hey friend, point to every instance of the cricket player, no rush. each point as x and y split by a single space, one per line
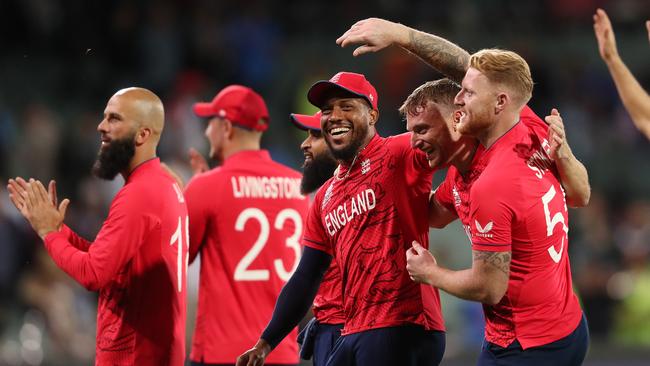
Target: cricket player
318 337
137 261
365 217
246 221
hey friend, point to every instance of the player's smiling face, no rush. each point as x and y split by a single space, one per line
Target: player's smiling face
476 101
432 132
346 123
314 146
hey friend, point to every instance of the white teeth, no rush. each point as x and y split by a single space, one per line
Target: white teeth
339 130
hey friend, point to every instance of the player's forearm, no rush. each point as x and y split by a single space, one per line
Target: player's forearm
634 97
74 238
439 53
464 284
72 261
575 180
439 216
485 282
296 296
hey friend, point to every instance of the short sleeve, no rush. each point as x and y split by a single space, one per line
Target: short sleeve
314 235
491 218
444 192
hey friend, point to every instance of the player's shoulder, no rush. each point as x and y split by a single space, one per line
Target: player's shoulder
401 141
207 178
533 122
281 169
499 175
144 193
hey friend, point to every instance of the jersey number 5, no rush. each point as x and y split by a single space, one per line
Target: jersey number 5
242 273
558 218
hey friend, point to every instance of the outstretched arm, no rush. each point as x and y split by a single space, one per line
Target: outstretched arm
634 97
374 34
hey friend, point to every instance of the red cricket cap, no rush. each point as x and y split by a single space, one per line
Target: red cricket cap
306 122
240 105
348 81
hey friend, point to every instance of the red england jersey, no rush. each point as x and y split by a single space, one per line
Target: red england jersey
366 217
328 303
512 200
138 264
246 220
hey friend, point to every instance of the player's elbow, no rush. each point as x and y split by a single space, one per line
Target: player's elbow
580 199
437 224
493 296
643 124
93 282
493 291
91 285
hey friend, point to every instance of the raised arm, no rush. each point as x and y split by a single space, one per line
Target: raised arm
635 99
573 174
374 34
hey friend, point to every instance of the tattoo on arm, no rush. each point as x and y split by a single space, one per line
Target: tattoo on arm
442 55
498 260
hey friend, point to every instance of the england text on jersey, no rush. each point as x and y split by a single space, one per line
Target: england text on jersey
357 205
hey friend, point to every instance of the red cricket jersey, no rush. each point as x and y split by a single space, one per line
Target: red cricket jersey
512 200
138 264
367 220
328 303
246 219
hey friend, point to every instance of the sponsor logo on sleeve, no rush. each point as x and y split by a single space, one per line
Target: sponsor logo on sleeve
484 231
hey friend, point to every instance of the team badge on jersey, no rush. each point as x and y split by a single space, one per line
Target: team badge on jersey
328 195
365 166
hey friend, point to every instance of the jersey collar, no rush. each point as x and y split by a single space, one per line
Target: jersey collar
143 169
245 155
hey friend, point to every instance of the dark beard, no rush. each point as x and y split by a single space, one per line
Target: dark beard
317 172
115 158
348 153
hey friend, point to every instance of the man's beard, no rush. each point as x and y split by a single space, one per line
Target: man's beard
349 152
480 122
114 158
317 172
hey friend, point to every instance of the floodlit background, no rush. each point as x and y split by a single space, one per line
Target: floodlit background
60 61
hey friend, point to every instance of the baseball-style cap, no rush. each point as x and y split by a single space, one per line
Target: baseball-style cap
348 81
240 105
306 122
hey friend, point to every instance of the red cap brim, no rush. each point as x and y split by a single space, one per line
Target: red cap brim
305 122
322 90
204 110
